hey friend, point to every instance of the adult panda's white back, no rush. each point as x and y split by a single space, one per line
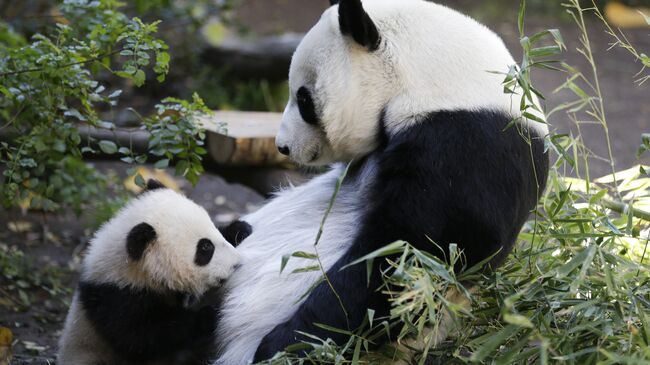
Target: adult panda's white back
258 296
447 61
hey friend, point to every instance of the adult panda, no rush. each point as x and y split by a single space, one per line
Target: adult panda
403 90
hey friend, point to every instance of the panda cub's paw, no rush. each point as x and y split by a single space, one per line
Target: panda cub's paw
236 232
205 324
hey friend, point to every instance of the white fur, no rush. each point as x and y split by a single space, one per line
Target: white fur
80 344
431 58
167 264
259 296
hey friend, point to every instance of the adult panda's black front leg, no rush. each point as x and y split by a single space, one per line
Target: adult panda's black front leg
323 307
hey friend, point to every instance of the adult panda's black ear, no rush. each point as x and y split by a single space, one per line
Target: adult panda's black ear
355 22
138 239
334 2
153 184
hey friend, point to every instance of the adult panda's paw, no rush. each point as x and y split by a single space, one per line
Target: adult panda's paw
264 351
236 232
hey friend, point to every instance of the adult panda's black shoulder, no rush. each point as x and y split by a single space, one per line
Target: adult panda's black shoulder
407 91
141 280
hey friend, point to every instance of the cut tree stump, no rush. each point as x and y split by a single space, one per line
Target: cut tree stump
237 138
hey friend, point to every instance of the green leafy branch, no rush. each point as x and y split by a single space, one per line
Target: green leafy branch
139 41
50 89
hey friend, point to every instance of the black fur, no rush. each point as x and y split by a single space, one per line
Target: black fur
334 2
153 184
236 232
306 106
456 177
382 135
138 239
355 22
204 252
143 326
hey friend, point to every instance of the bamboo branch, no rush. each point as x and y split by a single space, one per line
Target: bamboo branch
623 208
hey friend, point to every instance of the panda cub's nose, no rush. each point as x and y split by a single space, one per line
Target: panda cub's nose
284 150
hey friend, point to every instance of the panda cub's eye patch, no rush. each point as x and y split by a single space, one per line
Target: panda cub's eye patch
204 252
306 106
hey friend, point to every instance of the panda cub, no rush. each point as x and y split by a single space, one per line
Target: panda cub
141 282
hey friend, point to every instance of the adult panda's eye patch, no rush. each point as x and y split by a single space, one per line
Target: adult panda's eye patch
204 252
306 106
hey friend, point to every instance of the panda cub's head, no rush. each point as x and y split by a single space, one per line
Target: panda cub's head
369 69
160 241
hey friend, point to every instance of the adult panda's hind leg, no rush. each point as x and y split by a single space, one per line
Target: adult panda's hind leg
432 336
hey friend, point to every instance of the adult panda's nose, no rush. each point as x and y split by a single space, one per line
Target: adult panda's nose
284 150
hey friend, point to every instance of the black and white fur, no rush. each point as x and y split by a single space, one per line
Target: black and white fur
403 89
144 271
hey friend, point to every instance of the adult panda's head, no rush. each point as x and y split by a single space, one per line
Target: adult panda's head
160 241
369 69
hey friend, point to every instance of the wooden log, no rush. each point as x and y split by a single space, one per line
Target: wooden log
233 138
135 138
243 138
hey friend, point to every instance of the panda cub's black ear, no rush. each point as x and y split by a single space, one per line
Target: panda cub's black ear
236 232
138 239
356 23
153 184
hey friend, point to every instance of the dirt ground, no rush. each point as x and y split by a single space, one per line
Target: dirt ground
52 243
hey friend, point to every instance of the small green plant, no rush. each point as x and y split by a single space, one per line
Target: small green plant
176 135
19 276
235 94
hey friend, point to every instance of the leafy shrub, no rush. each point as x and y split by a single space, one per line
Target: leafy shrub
50 88
176 135
20 274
